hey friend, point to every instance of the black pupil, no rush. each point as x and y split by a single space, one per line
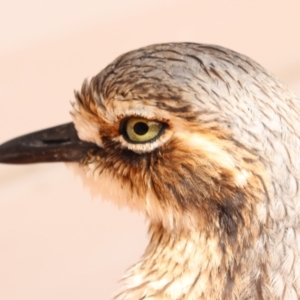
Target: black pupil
140 128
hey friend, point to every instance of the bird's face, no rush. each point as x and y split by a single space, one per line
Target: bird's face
149 144
160 152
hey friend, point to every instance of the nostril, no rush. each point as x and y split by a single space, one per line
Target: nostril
55 141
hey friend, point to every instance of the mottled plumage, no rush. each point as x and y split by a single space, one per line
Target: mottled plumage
220 181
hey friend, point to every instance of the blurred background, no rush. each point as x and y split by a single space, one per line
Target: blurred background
56 242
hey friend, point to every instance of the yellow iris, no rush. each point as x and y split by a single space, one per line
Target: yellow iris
140 130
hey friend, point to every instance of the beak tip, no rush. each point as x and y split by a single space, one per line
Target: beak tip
13 153
6 154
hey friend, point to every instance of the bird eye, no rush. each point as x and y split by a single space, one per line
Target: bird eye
140 130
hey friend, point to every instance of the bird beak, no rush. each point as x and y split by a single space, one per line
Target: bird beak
60 143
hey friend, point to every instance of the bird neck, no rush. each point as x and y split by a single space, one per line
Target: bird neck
180 265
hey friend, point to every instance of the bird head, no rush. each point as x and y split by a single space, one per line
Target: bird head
156 130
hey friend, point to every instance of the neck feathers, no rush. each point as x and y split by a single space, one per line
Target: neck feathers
190 265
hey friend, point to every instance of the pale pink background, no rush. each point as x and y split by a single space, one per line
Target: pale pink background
55 241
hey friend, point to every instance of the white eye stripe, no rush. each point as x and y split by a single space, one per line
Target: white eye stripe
213 150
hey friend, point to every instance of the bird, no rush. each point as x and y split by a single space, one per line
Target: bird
205 143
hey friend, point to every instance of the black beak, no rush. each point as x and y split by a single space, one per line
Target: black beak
60 143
